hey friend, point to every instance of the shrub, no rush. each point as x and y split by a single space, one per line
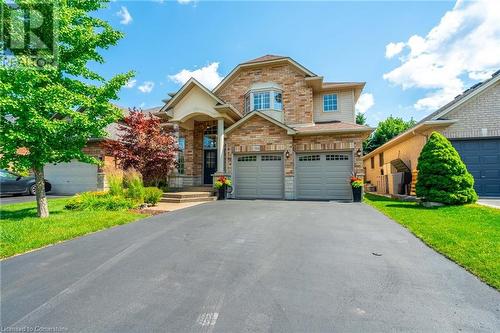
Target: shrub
152 195
442 176
115 181
132 180
98 201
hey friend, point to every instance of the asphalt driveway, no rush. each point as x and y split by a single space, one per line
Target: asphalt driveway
247 266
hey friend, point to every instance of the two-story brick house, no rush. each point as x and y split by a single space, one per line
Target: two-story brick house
274 127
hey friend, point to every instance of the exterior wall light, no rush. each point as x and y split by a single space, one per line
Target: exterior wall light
287 154
358 152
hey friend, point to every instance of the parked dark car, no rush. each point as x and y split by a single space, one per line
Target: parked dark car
10 183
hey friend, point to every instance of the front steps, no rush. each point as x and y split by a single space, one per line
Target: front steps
189 196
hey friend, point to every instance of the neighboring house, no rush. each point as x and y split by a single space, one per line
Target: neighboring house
471 122
274 127
76 177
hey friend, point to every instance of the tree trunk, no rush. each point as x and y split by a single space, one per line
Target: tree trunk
41 199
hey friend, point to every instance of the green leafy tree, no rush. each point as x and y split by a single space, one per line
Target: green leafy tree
47 115
360 118
442 176
386 130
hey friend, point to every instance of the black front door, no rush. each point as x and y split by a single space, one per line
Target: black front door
209 166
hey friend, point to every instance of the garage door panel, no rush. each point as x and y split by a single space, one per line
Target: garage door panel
324 176
482 158
70 178
259 176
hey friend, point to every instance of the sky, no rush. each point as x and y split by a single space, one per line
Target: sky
414 56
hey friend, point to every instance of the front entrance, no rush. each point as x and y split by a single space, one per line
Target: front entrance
209 165
209 154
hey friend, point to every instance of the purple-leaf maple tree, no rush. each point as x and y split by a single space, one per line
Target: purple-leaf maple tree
145 146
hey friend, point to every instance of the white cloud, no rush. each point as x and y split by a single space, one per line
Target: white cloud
185 2
146 87
208 75
125 16
131 83
365 102
393 49
465 44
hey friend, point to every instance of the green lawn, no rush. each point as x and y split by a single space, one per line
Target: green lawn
22 230
468 235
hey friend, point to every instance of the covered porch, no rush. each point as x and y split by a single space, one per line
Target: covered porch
199 119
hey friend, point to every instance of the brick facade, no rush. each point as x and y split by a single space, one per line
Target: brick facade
478 117
297 96
258 135
332 142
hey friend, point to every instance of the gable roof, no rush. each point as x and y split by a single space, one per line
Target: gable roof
463 97
435 120
264 60
192 82
266 57
252 114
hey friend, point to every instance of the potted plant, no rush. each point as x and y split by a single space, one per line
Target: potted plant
221 184
357 188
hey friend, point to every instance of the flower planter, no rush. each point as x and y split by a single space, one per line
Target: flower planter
357 194
221 193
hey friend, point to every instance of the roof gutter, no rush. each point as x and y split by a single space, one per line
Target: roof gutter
409 133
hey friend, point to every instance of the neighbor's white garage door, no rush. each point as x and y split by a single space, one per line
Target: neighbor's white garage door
324 176
73 177
259 176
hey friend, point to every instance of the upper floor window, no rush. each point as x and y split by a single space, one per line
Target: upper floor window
330 103
263 100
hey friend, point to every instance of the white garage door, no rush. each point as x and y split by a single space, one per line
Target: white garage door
70 178
324 176
258 176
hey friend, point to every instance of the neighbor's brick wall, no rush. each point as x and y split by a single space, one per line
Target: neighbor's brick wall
258 135
332 142
480 112
297 97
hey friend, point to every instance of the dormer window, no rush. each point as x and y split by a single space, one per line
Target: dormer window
261 99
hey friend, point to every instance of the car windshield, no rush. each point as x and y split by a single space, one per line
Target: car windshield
4 174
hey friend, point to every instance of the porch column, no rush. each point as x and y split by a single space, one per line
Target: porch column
220 145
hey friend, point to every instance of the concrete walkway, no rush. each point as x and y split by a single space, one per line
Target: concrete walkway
490 202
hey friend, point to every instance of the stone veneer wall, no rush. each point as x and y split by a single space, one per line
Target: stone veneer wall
297 96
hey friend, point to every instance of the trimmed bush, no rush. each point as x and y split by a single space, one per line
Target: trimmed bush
152 195
442 176
98 201
132 180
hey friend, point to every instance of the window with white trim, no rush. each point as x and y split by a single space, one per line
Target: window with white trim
180 155
261 100
330 103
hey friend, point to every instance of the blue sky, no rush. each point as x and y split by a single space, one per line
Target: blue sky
342 41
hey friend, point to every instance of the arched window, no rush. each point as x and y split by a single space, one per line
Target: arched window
210 138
